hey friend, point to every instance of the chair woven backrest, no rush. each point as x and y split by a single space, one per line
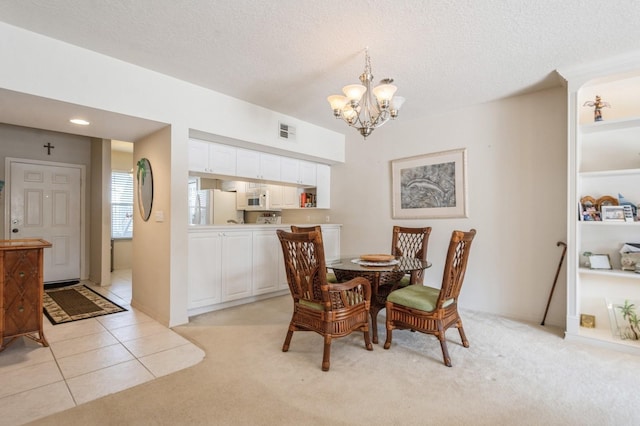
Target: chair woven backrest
305 265
410 242
455 266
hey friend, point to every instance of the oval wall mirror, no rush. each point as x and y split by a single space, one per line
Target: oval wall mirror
145 188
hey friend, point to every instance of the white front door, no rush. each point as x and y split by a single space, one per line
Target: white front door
46 203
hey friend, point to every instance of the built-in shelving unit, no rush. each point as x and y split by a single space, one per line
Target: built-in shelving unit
604 160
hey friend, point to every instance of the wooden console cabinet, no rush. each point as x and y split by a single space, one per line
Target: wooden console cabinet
21 290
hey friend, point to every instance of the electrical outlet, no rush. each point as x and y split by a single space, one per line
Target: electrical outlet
308 218
327 219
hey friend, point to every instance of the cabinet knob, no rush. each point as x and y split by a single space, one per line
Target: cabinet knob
21 308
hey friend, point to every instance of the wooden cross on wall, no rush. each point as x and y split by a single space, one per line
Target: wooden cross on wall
49 147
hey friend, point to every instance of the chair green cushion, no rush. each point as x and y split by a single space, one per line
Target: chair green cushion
331 278
312 305
417 297
405 281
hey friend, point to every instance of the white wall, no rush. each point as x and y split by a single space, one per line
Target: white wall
516 151
152 238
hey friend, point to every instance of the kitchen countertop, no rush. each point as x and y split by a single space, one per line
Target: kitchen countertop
255 226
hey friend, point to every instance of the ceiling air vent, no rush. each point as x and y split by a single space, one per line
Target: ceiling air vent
286 131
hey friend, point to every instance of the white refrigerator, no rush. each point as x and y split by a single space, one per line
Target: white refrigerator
212 207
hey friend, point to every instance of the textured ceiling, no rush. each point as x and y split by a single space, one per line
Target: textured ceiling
289 55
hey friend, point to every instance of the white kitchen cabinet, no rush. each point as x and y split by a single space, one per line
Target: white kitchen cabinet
603 161
298 172
204 276
307 173
208 157
289 170
290 197
284 196
276 199
323 186
268 265
230 265
257 165
237 247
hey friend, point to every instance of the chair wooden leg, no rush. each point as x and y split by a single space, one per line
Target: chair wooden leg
367 340
287 340
373 311
463 336
443 344
387 343
327 353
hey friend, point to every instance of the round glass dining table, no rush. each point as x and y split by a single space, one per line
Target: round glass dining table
383 276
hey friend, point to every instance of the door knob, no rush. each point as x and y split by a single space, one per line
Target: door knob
15 230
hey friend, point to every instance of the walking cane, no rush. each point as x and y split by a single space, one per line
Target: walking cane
555 280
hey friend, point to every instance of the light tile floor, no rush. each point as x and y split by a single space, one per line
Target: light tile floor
89 359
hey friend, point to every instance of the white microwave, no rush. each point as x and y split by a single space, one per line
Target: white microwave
257 200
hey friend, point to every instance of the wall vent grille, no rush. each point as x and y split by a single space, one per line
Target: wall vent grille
286 131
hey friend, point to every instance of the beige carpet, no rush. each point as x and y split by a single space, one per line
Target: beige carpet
513 374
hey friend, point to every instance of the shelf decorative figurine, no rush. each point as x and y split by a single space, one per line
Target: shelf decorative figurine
597 105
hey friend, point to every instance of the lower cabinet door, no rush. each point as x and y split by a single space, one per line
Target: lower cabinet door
268 265
236 264
204 269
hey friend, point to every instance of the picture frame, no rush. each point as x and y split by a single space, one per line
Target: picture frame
587 321
599 261
612 213
430 186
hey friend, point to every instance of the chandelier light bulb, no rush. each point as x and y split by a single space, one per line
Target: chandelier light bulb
396 104
384 92
354 92
337 102
349 114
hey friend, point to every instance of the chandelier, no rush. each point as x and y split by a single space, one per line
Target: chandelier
364 108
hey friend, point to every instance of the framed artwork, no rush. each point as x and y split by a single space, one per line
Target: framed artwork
430 186
599 261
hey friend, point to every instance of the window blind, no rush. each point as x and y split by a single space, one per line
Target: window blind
121 204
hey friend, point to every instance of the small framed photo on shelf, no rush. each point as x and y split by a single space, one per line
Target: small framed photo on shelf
599 261
612 214
587 321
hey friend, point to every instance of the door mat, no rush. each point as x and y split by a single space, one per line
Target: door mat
75 303
58 284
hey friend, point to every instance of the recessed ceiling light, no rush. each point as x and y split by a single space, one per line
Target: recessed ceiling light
79 121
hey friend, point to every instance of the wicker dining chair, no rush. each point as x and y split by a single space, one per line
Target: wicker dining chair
430 310
331 277
331 310
407 242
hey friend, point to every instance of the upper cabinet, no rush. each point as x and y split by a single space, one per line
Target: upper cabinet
323 186
207 157
257 165
299 172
